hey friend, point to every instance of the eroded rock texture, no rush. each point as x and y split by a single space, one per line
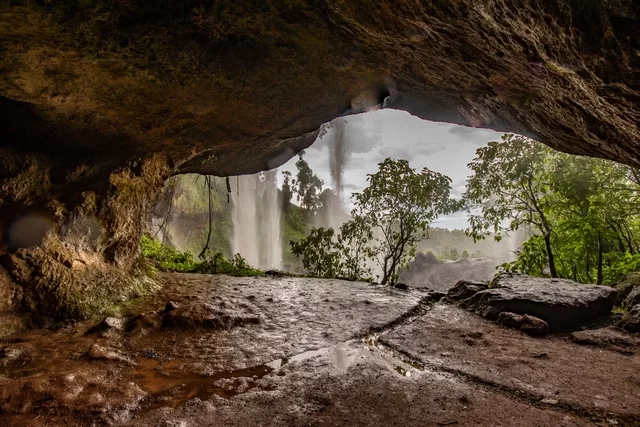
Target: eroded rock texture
92 91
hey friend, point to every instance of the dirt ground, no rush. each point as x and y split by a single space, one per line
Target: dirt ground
288 351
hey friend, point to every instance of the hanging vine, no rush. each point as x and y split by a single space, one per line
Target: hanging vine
207 180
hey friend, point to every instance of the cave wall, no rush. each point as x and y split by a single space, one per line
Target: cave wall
101 100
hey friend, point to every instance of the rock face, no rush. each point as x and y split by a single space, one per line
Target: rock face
100 101
563 304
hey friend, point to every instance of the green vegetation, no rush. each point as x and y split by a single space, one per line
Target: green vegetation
211 263
581 213
389 218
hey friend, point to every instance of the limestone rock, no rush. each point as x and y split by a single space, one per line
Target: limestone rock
563 304
464 289
530 325
631 321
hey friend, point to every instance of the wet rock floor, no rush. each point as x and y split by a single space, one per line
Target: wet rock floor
289 351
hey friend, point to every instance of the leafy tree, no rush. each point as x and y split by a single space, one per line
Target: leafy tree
399 205
465 255
308 184
583 212
353 241
390 216
287 190
510 187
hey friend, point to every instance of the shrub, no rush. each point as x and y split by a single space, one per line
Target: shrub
183 262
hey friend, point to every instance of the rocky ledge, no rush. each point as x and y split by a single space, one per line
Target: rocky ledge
562 304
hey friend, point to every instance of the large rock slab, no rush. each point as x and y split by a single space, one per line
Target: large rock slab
553 369
563 304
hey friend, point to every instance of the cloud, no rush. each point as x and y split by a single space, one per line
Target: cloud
395 153
427 150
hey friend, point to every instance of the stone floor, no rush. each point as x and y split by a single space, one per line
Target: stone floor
288 351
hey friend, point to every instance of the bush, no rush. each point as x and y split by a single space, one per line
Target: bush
183 262
219 264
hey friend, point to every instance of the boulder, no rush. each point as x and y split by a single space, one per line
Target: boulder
631 321
465 289
530 325
628 289
563 304
611 338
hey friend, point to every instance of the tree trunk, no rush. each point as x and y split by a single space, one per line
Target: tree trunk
599 279
552 262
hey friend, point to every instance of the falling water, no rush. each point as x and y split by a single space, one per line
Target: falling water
333 213
338 156
256 219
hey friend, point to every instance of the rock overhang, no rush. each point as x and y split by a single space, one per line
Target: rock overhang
236 87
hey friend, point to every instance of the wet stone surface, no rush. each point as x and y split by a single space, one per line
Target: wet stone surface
588 380
284 351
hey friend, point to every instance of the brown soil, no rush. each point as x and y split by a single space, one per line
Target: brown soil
317 352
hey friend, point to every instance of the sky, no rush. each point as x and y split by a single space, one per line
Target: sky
374 136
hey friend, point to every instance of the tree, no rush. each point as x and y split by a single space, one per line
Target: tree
390 216
583 212
465 255
287 190
510 187
308 184
398 205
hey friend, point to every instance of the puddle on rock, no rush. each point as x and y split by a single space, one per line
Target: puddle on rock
169 386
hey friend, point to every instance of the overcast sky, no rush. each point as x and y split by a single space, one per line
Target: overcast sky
372 137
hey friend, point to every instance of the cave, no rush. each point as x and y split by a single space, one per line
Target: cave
102 101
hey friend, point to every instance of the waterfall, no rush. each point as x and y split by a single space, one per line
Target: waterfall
256 219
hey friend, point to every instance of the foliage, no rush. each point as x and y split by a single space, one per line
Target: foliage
353 242
319 253
390 216
211 263
308 185
532 259
399 204
581 213
216 263
509 186
287 190
169 258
